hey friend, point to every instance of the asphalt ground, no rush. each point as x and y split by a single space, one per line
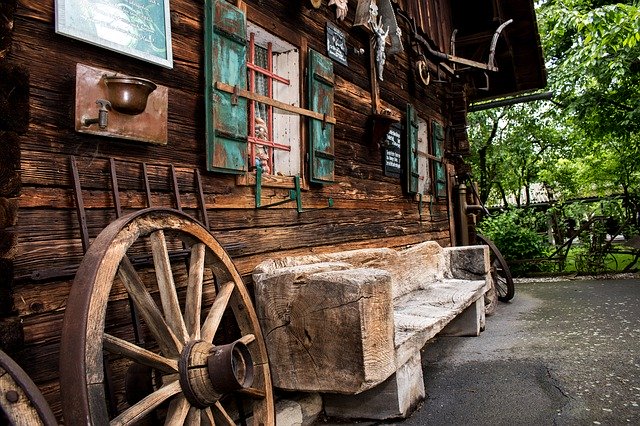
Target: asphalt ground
560 353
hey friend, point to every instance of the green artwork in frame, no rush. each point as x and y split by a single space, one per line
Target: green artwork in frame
138 28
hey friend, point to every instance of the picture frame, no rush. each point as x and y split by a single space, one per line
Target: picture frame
137 28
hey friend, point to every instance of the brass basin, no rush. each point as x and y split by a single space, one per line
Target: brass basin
128 95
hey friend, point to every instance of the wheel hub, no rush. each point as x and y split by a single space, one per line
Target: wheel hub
207 372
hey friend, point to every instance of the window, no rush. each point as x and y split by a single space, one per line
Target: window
424 162
424 179
253 100
274 135
439 169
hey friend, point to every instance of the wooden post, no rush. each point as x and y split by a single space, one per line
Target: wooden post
375 89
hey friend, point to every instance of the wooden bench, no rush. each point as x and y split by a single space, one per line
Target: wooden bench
351 324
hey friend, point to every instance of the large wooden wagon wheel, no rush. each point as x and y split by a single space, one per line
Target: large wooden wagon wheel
199 357
21 403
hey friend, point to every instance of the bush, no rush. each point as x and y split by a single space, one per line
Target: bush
514 233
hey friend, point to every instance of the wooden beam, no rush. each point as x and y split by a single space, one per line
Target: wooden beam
272 102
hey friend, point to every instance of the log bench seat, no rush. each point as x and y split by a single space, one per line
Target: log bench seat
351 324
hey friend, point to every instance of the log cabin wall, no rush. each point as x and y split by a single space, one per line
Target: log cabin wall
370 209
14 119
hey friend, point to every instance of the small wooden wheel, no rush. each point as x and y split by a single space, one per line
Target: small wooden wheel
423 72
500 272
199 356
21 402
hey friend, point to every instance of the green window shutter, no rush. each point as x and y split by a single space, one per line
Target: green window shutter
439 168
411 152
320 87
226 62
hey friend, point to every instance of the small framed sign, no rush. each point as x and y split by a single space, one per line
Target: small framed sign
392 157
336 44
138 28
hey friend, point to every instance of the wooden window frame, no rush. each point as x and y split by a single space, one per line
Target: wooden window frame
299 41
254 70
434 160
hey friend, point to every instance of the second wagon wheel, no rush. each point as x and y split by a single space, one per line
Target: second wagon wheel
197 355
21 403
499 271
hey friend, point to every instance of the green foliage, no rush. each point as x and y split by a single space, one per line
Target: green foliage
587 142
594 61
515 233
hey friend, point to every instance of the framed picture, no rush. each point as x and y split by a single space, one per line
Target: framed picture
138 28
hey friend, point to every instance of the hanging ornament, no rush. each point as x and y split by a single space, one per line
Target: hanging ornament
380 41
341 8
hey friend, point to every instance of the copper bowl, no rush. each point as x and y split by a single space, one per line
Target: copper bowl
129 95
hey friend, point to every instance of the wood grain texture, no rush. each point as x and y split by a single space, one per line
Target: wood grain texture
370 209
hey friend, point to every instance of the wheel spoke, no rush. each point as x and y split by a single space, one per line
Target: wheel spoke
194 417
218 307
138 411
253 393
207 417
138 354
147 308
168 294
248 338
178 410
221 416
193 304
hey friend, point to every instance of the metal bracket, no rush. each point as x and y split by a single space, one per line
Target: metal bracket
294 195
486 87
234 95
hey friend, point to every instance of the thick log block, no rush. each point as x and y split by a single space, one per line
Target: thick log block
14 98
327 329
8 244
7 10
9 162
8 212
6 283
11 337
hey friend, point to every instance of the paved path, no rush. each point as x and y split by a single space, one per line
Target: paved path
565 353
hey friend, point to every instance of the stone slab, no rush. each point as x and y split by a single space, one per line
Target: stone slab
469 323
395 398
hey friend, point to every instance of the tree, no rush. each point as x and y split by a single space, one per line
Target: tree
589 142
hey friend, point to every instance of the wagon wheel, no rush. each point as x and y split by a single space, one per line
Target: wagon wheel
21 402
499 271
203 350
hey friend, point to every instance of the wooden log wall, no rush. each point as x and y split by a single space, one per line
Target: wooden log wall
14 119
370 209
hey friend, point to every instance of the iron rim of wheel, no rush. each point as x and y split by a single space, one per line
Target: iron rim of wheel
176 324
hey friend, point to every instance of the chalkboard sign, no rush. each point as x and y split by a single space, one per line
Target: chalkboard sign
141 29
392 158
336 44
